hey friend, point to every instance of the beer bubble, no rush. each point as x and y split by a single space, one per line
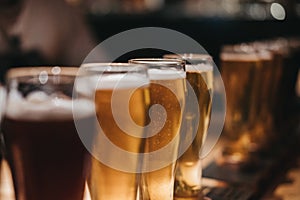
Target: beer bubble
43 77
40 106
56 70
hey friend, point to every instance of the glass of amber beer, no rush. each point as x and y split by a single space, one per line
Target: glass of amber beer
199 74
263 131
121 103
167 99
240 70
46 156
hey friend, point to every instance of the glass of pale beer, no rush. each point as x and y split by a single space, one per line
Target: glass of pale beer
167 99
46 156
199 74
121 104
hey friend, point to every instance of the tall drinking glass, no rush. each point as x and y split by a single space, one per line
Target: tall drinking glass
263 131
279 88
47 158
2 106
167 99
121 100
238 71
199 74
285 77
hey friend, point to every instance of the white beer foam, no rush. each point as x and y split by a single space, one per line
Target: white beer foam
39 106
158 74
121 81
242 57
265 55
87 86
199 67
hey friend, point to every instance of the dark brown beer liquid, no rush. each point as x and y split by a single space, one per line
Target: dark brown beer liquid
47 159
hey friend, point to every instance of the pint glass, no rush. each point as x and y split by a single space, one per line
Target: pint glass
238 71
264 79
279 95
121 104
285 80
46 156
199 74
2 106
167 98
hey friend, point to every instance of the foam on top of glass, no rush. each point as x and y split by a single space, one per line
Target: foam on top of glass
120 81
241 57
166 74
265 55
199 67
38 106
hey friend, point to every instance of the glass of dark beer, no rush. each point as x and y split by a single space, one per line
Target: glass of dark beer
46 156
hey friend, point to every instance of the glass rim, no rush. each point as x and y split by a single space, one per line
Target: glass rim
190 56
112 67
164 62
55 70
240 55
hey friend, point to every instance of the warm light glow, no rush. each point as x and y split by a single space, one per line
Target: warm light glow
277 11
258 12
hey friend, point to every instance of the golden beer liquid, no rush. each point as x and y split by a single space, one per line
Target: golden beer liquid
158 184
264 77
239 76
188 175
106 182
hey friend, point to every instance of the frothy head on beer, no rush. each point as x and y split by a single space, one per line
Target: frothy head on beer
114 76
239 57
43 93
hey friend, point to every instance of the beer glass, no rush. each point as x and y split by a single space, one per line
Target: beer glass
238 69
199 74
167 99
2 105
264 80
277 94
46 156
286 75
121 103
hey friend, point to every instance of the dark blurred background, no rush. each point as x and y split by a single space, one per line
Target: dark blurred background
62 32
